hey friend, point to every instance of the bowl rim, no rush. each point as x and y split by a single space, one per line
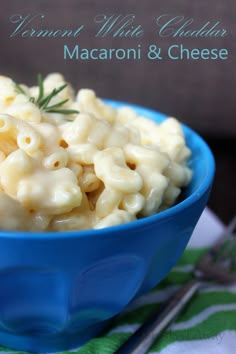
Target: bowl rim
135 224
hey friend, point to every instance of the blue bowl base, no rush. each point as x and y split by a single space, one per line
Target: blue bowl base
50 343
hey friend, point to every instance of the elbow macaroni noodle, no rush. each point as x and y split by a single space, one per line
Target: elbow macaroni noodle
104 167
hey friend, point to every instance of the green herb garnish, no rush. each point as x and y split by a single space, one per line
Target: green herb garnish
43 102
20 89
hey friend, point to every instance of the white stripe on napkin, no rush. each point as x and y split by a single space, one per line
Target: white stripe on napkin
153 297
225 288
223 343
202 316
124 329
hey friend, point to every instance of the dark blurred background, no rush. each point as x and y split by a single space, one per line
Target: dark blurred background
199 93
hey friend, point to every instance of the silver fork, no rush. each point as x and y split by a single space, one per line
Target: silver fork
218 265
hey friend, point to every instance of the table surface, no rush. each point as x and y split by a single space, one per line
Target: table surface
223 196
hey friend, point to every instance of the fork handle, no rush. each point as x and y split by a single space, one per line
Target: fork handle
143 338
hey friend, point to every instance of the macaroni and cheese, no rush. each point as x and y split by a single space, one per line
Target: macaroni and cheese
91 169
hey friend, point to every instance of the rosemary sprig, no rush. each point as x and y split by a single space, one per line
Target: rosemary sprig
43 102
20 89
57 105
41 88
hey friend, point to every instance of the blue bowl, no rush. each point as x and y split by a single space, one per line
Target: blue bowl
57 290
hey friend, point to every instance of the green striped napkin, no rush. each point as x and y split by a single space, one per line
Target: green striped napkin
206 326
